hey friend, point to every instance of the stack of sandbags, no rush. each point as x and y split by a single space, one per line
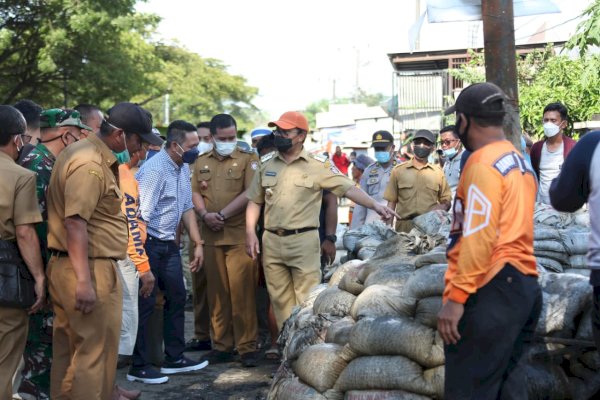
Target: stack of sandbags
561 240
371 332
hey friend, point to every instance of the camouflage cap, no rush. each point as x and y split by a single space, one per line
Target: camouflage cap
55 117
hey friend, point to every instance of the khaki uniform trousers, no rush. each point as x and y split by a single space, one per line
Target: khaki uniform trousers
14 324
84 346
292 267
231 277
200 300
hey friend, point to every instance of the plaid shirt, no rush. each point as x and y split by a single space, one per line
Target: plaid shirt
165 194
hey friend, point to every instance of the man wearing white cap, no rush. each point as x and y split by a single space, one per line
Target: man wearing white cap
257 134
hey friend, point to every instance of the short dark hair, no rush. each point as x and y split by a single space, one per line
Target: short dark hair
560 107
448 128
31 111
177 130
221 121
203 124
86 111
12 123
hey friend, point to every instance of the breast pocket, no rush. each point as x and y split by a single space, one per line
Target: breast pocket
234 181
203 176
306 183
112 200
405 191
373 185
268 184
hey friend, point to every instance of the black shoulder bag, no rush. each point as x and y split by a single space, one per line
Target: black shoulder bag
17 286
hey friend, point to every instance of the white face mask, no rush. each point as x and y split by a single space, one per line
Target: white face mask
550 129
225 148
205 147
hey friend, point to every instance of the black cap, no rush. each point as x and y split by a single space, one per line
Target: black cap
484 100
382 139
425 134
133 119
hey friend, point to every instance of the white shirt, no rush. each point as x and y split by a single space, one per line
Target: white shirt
550 165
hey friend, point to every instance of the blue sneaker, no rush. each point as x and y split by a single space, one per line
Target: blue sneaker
182 365
146 375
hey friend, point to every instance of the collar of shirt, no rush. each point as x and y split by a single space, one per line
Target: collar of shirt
303 154
107 154
6 157
411 164
219 157
45 152
166 159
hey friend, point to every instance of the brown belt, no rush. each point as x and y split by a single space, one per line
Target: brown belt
288 232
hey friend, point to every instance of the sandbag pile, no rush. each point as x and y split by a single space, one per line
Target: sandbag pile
561 240
371 332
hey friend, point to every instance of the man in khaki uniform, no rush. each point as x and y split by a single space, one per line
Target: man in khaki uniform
19 213
87 234
417 186
289 184
220 180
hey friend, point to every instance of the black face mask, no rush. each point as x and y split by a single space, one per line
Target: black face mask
464 138
282 144
422 152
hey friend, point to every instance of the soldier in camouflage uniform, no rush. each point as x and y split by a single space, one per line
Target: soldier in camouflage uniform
59 128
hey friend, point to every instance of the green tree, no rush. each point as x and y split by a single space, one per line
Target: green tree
198 88
545 78
588 31
69 51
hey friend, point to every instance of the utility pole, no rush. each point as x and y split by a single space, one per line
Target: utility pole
500 59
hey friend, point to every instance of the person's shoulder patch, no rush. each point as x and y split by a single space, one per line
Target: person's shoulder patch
254 165
318 157
510 161
267 157
246 151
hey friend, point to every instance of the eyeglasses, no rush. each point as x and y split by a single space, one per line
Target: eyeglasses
26 138
448 142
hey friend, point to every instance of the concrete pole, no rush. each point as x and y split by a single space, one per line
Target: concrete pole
500 59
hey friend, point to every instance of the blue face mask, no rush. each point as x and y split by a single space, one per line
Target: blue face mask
150 154
122 157
382 156
189 156
449 153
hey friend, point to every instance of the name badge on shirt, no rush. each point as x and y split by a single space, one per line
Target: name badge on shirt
270 173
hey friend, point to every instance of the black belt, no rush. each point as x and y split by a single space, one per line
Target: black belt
58 253
288 232
150 237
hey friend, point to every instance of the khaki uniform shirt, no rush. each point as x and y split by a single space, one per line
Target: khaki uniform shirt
292 193
220 182
416 189
18 199
84 182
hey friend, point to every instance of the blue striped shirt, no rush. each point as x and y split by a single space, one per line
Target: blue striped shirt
165 194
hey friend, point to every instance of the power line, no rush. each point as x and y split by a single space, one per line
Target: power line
547 29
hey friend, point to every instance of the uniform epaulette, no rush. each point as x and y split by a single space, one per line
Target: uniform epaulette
267 157
243 150
318 157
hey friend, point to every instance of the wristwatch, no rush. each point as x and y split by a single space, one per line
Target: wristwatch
331 238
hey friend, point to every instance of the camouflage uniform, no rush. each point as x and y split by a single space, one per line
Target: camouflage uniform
38 352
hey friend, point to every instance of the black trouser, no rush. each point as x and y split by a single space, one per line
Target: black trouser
498 323
596 317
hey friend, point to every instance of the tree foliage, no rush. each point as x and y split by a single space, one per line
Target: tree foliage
545 78
64 52
588 31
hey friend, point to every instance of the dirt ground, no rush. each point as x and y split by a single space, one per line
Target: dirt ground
215 382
